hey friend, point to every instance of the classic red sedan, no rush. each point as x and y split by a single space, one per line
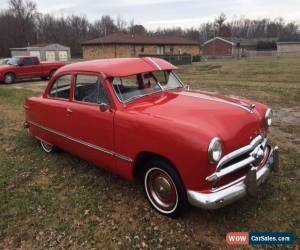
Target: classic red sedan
135 118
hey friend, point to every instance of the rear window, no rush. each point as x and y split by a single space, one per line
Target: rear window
27 61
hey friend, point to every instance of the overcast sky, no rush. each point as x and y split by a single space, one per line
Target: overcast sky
170 13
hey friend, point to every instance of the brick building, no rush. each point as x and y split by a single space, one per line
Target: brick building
128 45
231 46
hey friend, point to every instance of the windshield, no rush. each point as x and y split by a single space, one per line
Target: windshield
3 61
13 61
131 87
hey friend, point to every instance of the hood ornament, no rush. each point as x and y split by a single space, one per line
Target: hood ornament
252 106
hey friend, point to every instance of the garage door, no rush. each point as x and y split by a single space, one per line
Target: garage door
63 55
50 55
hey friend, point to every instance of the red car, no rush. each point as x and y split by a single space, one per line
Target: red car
135 118
26 67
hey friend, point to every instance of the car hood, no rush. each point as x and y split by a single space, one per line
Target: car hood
4 67
231 119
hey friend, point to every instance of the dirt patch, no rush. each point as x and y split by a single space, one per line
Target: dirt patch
288 115
43 180
208 67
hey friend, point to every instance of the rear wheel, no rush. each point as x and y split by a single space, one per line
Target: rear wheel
164 188
48 148
9 78
51 74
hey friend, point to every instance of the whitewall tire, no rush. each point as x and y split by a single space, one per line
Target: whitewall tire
164 188
47 147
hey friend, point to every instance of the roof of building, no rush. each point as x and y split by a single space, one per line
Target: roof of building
119 38
242 41
38 45
120 66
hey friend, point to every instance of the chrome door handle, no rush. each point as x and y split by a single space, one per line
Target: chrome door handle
69 110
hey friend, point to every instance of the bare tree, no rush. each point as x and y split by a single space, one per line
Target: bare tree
21 24
220 21
25 13
121 24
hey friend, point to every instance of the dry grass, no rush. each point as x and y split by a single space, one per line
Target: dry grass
59 201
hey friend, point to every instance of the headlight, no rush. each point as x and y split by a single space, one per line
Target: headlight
268 117
215 150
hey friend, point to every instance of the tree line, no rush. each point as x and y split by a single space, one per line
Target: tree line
21 24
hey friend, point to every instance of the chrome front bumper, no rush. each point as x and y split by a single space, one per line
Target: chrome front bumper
235 190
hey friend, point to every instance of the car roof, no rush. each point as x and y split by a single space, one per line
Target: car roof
119 66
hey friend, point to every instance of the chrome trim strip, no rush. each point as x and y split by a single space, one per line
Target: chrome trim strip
107 151
152 61
239 151
122 157
240 106
222 101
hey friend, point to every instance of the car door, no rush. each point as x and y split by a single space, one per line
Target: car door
36 67
90 127
53 111
26 68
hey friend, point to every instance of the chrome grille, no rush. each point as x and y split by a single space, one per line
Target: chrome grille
240 158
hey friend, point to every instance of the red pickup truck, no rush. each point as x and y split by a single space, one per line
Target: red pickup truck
26 67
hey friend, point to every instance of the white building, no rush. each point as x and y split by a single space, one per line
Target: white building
45 52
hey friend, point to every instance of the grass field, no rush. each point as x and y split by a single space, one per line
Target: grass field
59 201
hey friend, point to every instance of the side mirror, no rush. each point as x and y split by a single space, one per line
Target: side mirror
21 64
103 107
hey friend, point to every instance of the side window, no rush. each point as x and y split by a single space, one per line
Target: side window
90 89
27 61
61 87
35 61
160 76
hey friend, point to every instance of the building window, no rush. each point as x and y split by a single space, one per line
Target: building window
142 49
171 49
160 50
132 50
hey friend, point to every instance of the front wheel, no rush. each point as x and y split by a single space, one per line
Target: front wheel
164 188
9 78
51 74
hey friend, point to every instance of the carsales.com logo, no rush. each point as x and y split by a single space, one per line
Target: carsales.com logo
256 238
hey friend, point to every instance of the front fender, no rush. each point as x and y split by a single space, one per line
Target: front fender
185 146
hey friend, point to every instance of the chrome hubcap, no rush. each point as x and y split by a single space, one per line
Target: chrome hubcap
161 189
8 79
